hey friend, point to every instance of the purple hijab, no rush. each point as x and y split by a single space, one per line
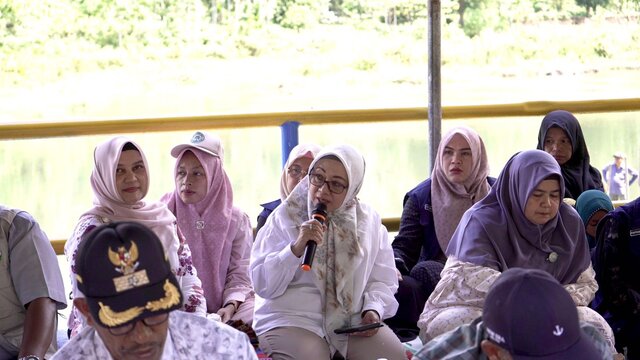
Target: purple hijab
495 232
578 173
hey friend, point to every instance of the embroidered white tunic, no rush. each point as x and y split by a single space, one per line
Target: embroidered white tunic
189 337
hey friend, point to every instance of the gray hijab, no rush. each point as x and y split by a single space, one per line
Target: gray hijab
495 232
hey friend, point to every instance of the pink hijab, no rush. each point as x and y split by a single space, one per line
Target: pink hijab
109 204
208 226
299 151
450 200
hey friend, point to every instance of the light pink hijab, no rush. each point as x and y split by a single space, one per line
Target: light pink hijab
450 200
299 151
208 226
109 204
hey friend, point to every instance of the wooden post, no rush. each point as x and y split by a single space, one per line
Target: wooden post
435 88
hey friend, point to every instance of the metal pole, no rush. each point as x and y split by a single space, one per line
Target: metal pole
626 179
289 131
435 88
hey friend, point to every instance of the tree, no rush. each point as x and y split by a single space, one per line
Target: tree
592 5
297 14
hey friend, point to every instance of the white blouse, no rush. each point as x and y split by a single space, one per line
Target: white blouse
288 296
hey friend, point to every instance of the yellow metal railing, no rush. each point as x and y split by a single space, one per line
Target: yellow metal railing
118 126
392 224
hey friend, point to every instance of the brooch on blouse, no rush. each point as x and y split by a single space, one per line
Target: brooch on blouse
199 224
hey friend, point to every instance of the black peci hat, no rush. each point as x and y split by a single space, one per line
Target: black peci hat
123 272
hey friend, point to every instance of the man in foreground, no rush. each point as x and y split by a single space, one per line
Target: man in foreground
130 298
527 314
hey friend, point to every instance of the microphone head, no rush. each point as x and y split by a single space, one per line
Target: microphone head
320 213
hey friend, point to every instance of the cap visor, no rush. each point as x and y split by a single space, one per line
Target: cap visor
583 349
132 305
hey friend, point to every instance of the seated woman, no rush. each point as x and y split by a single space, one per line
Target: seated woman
592 206
352 279
218 233
431 213
561 136
522 222
120 182
615 260
294 170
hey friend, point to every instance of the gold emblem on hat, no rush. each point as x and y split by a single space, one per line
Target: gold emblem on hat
171 298
125 260
115 318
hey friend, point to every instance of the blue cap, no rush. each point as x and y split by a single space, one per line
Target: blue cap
528 313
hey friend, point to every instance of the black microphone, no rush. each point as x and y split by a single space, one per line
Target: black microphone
319 214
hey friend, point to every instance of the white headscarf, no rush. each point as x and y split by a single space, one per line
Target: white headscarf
340 252
299 151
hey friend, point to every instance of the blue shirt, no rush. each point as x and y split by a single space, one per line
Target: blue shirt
616 177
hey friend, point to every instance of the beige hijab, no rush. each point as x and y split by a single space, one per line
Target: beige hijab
450 200
109 204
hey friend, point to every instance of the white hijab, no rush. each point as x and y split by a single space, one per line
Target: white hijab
340 252
299 151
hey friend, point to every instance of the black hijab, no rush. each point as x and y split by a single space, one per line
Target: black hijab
578 174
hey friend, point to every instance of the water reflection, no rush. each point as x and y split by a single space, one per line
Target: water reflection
50 177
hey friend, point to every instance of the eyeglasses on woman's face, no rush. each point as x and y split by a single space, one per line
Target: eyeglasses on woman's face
148 321
296 172
319 180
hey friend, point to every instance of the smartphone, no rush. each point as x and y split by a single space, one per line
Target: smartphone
349 330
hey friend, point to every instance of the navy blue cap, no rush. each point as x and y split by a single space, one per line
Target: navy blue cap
530 314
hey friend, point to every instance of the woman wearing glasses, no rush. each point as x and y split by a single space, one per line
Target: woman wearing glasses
352 278
218 233
294 170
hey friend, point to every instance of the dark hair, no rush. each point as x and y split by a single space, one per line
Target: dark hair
553 177
130 146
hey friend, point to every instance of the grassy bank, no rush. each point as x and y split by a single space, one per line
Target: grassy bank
326 67
329 66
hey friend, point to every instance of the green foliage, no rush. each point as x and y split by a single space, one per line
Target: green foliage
8 18
365 65
600 50
299 14
479 15
58 37
592 5
409 11
298 17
